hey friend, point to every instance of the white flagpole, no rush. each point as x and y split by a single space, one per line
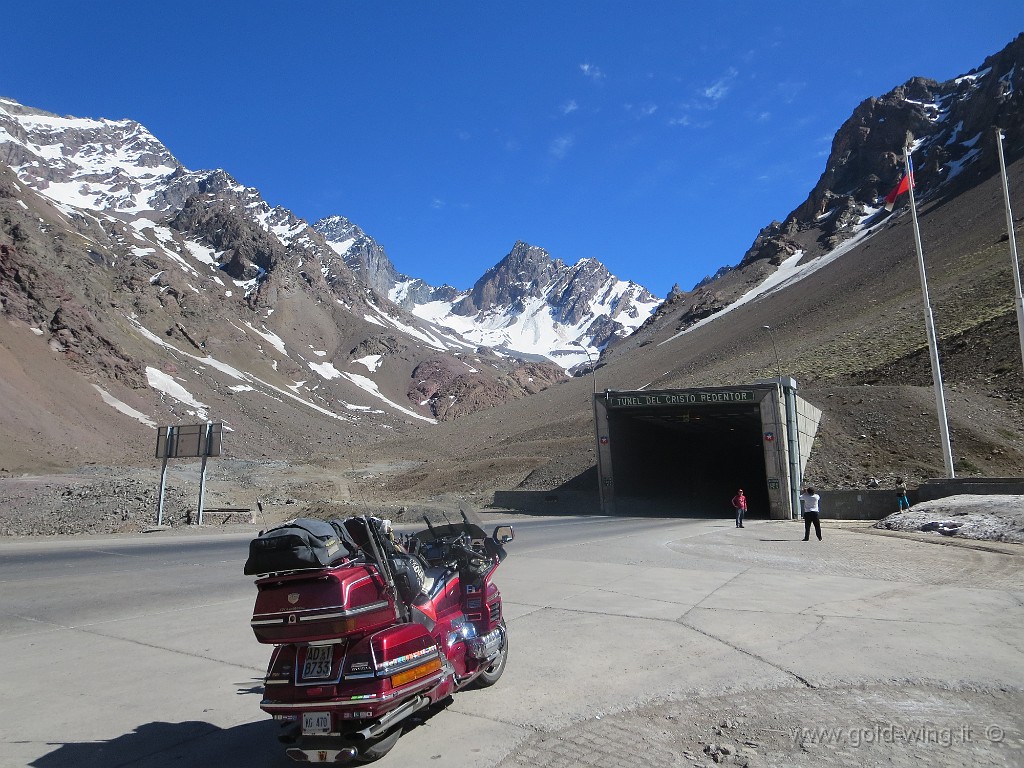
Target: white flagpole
933 346
1018 299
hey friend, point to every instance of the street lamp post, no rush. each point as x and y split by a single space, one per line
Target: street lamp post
778 364
593 370
791 437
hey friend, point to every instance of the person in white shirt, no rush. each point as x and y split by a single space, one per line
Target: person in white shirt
810 500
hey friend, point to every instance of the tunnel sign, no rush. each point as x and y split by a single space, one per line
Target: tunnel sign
691 397
769 436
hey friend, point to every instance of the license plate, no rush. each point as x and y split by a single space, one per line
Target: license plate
316 722
318 662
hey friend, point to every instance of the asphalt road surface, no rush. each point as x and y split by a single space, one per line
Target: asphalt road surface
136 651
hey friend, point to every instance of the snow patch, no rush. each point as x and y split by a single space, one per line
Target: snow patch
275 341
368 385
325 370
124 408
372 362
161 381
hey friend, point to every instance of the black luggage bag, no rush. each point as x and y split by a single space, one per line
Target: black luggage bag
299 544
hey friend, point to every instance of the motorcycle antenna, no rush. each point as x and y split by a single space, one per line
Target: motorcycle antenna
382 562
427 521
259 506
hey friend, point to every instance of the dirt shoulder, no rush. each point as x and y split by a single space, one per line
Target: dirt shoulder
245 495
886 724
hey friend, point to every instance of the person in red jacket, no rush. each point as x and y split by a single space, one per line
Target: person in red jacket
739 503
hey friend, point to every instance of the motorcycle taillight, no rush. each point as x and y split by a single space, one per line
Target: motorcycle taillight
418 672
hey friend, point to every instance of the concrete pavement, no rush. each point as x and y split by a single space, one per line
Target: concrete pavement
624 650
758 613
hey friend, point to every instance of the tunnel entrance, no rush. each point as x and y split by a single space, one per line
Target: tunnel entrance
685 452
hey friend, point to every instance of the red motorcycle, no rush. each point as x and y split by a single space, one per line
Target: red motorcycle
368 629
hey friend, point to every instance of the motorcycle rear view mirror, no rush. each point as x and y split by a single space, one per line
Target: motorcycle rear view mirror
503 534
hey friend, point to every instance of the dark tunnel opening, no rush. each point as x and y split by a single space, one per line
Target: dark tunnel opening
688 462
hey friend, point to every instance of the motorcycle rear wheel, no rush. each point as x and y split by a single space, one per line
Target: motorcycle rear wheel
377 749
490 675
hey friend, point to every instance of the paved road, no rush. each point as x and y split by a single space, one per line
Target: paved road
137 652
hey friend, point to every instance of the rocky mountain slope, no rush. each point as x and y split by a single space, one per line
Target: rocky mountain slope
951 129
174 294
114 316
838 285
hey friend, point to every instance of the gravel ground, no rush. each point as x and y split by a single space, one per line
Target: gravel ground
892 725
105 500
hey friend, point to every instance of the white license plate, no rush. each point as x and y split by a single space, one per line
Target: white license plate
318 662
316 722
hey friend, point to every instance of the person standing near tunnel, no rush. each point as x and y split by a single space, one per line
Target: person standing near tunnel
811 500
739 503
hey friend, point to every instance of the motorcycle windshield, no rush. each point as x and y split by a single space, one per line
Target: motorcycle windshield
450 531
470 525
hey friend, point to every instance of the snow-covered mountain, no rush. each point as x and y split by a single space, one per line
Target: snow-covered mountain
187 287
531 304
528 306
367 259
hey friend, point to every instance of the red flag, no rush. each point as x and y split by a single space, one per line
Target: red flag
903 186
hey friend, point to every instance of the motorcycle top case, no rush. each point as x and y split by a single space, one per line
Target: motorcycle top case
313 606
299 544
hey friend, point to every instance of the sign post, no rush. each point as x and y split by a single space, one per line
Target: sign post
187 441
163 476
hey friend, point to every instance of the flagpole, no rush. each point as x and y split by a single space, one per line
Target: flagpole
1018 299
933 346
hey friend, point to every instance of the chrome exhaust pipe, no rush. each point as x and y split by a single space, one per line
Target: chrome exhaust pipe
393 717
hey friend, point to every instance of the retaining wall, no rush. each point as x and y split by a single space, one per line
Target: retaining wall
876 503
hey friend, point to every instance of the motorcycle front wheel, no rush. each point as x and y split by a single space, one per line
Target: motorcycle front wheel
490 675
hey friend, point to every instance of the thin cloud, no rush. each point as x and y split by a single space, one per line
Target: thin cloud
569 107
685 121
788 90
560 146
706 100
719 89
592 71
641 111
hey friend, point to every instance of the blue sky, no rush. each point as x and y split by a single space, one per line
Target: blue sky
658 137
